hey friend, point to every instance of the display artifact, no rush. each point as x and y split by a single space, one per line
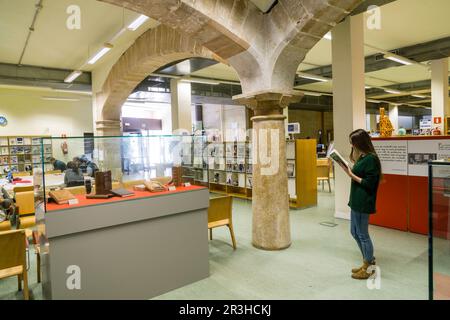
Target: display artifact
103 185
386 127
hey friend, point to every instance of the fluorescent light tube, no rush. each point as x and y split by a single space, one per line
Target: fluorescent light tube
202 81
100 54
59 99
314 94
313 77
419 96
393 91
138 22
399 59
373 101
71 77
367 87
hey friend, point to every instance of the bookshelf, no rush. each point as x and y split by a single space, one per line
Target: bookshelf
22 153
227 169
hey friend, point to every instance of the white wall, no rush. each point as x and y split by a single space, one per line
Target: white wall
29 114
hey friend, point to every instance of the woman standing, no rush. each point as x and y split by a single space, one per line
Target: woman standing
365 175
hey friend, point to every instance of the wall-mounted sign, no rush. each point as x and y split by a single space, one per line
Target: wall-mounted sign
3 121
437 120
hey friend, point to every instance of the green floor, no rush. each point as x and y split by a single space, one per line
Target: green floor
316 266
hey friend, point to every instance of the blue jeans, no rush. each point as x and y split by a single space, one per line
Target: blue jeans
360 231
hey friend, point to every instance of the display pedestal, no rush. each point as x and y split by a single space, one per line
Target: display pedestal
138 248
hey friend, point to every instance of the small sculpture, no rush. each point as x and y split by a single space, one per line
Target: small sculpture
386 127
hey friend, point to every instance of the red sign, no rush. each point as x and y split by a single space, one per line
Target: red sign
437 120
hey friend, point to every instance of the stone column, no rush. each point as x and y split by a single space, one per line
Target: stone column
393 116
181 101
270 205
439 91
107 151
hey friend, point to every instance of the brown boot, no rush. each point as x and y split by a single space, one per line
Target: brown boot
362 274
356 270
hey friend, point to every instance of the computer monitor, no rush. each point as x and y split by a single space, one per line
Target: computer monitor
294 128
320 148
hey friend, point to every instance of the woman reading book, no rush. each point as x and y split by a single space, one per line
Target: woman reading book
365 175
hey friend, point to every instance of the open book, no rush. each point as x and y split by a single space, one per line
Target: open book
337 157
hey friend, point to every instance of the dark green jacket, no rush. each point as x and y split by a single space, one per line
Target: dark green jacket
363 196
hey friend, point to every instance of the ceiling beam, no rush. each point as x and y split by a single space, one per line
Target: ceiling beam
11 74
432 50
363 6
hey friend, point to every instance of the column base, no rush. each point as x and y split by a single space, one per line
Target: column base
271 249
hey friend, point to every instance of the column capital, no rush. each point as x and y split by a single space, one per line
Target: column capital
108 127
268 102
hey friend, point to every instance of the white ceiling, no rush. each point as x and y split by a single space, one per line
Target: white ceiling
404 22
52 44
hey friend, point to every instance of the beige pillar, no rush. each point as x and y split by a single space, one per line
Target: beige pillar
270 204
349 105
373 122
181 100
107 150
439 91
393 116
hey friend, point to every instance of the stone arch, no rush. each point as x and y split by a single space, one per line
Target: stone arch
302 24
154 49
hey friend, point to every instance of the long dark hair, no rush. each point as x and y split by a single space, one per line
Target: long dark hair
361 140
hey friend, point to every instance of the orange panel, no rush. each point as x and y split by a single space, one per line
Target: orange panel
392 203
418 204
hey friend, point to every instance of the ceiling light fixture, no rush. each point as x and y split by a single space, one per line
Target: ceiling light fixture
399 59
313 77
373 101
59 99
202 81
328 36
419 96
101 53
367 87
137 23
71 77
314 94
392 91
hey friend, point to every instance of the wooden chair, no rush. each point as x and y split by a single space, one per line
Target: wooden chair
53 172
13 258
25 205
324 172
5 226
220 213
23 189
21 174
37 250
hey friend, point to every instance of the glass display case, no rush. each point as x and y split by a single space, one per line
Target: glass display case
439 231
102 169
